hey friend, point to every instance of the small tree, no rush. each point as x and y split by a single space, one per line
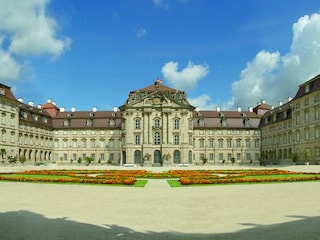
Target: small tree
307 154
294 157
204 159
233 160
89 160
3 152
79 160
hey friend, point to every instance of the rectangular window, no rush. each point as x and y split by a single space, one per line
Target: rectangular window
238 156
211 156
201 143
306 116
176 139
229 156
157 138
102 156
221 156
220 143
229 144
137 139
248 156
316 133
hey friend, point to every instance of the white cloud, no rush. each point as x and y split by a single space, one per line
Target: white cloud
274 77
187 78
27 30
161 3
9 68
141 32
203 102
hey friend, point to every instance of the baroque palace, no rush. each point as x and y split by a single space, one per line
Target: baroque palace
157 126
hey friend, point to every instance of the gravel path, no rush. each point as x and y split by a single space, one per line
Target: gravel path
157 211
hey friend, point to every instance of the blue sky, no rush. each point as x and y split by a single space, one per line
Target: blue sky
222 53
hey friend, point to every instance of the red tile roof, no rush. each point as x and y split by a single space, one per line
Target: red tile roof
156 87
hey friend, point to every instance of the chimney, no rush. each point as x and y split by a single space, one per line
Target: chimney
289 99
73 109
62 109
115 109
31 103
218 109
280 103
20 100
250 109
94 109
49 100
263 101
239 109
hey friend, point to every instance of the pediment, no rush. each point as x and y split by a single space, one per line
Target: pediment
157 99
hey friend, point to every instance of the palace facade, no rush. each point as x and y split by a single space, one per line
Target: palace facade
157 126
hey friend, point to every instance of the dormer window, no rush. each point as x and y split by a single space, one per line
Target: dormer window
66 123
224 122
89 123
112 122
2 91
201 122
44 119
246 122
35 117
307 88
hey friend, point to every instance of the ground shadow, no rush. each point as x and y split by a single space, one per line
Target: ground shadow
25 225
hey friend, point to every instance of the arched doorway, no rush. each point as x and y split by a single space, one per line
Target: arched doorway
176 156
190 157
157 156
124 159
137 157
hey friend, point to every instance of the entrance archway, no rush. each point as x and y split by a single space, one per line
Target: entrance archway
176 156
124 160
137 157
190 157
157 156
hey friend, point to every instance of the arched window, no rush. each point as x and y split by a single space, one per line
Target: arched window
138 123
176 123
157 123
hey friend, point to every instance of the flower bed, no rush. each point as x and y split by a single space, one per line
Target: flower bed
185 177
